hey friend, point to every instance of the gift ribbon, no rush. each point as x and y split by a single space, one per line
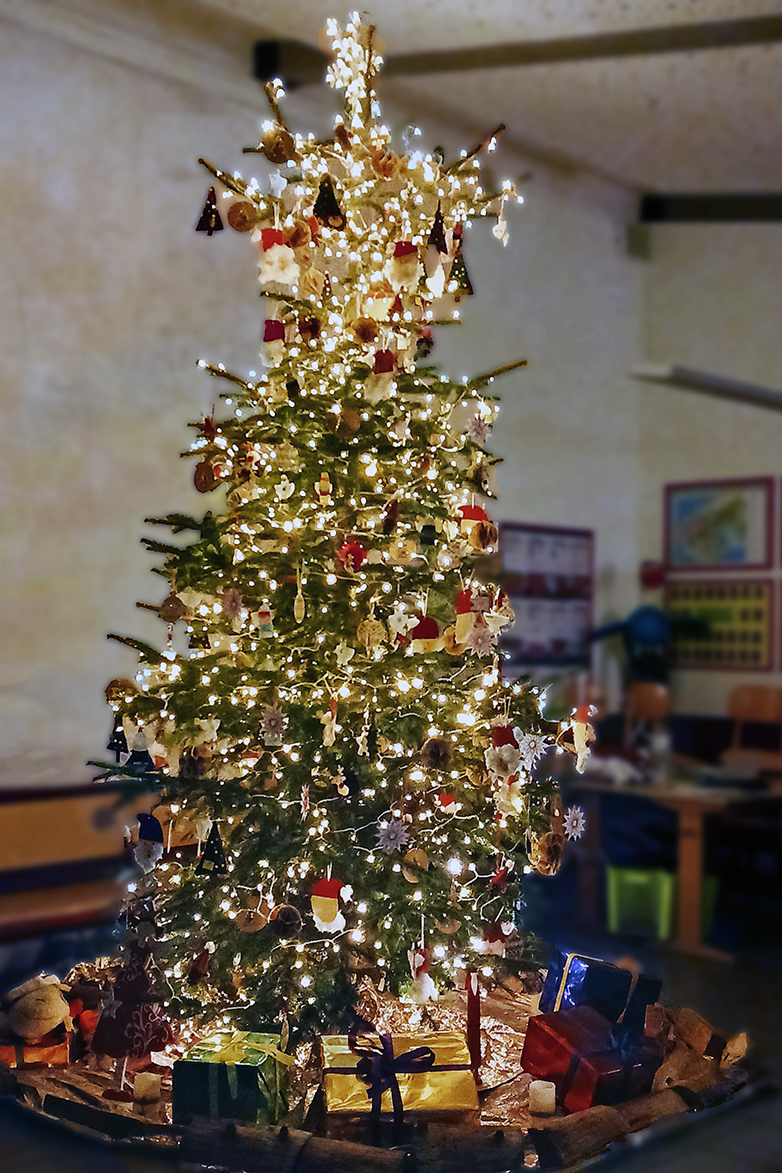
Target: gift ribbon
379 1067
230 1052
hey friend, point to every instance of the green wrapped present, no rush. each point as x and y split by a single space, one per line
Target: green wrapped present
239 1076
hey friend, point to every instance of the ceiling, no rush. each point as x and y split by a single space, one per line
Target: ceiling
697 121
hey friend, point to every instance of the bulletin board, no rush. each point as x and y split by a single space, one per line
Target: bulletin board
736 618
548 574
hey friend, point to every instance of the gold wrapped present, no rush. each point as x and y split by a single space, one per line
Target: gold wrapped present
425 1076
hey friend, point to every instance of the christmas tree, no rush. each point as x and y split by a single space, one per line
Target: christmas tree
339 732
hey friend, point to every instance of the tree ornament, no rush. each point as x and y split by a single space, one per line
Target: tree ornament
574 823
149 849
309 328
139 760
327 210
576 736
266 623
299 606
205 477
304 801
200 965
212 861
391 516
117 743
324 489
278 145
172 608
423 988
365 329
392 835
446 802
273 724
118 690
425 636
284 488
210 221
436 753
329 721
195 761
352 554
232 603
415 862
242 216
371 632
285 921
325 905
342 788
546 851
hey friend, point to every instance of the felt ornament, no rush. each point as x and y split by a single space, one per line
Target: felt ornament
212 861
423 988
325 906
384 362
425 636
352 554
469 516
576 736
546 850
209 220
451 644
285 921
273 331
139 760
284 488
36 1008
324 489
446 802
402 269
265 620
465 617
371 632
251 920
327 210
378 302
329 722
149 849
242 216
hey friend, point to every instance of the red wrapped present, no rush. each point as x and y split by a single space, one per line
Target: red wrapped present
554 1043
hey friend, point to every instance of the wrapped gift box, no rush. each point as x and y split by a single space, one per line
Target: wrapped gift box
443 1089
53 1050
574 1048
617 994
242 1076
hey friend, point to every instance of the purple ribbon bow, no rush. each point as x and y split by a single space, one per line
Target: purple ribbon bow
378 1067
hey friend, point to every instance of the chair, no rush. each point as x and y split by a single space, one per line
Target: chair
648 701
751 704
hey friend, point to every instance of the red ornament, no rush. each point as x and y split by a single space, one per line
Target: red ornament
446 802
352 554
503 735
273 331
472 513
385 362
270 237
464 602
425 628
404 248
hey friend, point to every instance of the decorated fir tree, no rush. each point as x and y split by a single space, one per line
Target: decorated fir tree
339 734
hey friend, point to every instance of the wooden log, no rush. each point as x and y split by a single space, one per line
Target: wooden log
111 1124
283 1150
570 1139
645 1110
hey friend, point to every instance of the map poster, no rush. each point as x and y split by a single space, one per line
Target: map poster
719 524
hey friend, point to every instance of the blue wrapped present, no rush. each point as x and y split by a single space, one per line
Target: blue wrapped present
617 994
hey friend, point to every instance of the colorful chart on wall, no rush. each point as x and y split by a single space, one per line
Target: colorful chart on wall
548 574
723 625
716 524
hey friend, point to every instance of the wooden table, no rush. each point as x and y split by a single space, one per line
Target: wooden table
691 803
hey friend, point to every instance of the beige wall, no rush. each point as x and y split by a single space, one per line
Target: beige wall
712 301
107 298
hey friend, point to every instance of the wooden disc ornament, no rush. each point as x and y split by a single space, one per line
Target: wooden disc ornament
415 862
204 477
285 921
242 216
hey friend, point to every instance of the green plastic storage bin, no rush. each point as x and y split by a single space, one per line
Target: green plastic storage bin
644 900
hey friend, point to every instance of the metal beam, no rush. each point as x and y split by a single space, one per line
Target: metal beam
300 64
707 384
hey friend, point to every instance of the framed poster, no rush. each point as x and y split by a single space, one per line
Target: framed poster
547 572
721 624
711 525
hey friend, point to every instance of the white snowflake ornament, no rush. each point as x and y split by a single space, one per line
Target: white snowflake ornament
575 823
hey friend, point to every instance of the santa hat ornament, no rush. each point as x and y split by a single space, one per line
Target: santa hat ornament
425 636
469 516
325 905
424 989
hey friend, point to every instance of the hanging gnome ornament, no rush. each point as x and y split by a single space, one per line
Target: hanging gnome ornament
424 989
325 905
149 849
209 220
212 862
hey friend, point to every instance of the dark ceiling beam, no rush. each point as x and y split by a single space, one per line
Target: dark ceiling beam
300 64
733 208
